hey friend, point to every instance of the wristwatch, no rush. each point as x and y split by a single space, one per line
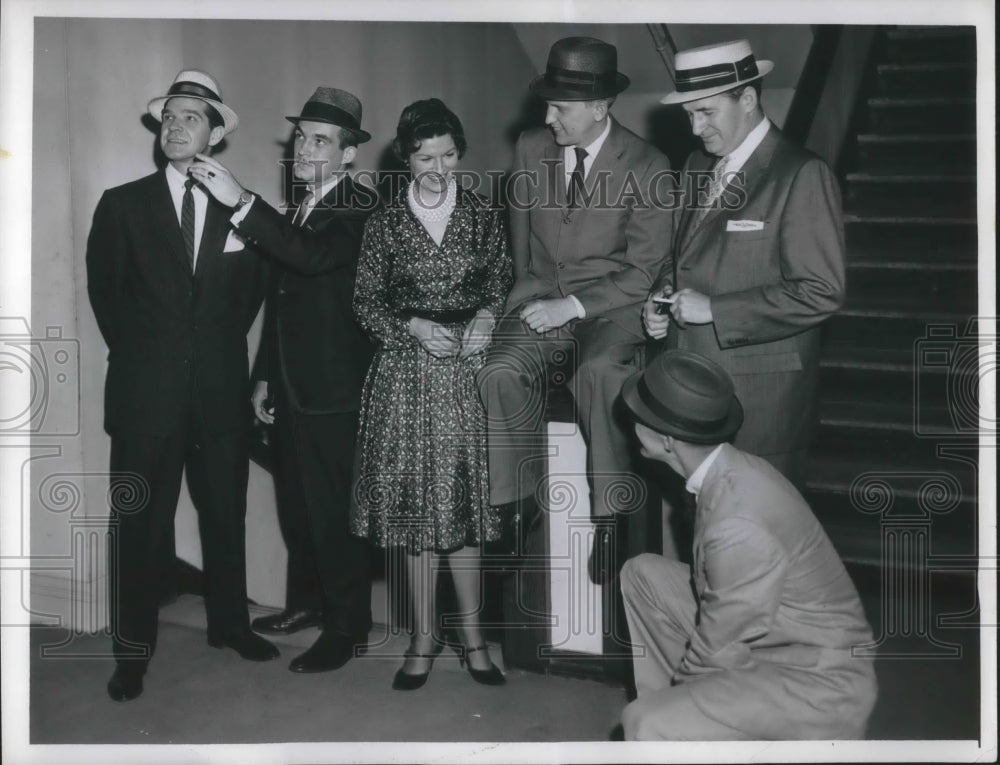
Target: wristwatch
245 198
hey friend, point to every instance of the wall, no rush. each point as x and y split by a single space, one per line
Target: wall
92 80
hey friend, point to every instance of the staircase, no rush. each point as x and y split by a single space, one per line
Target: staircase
896 448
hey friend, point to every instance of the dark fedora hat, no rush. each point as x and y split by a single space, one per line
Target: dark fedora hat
580 69
334 107
687 396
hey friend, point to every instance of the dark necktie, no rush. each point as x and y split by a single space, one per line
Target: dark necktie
300 214
187 221
576 179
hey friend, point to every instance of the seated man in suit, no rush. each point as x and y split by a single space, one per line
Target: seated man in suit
313 359
754 641
759 263
174 296
587 240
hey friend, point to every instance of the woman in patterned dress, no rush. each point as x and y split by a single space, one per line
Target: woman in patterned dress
433 274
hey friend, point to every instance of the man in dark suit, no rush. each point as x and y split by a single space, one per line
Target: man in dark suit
174 296
313 359
759 262
754 640
587 239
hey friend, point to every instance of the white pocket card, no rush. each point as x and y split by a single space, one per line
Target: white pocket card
744 225
234 243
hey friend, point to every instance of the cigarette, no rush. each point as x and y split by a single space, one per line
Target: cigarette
669 299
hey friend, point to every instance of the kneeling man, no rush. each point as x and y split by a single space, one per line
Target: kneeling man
754 641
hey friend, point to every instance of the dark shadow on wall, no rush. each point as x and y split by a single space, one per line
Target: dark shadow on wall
669 131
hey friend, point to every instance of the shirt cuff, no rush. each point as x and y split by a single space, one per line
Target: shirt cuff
237 217
580 312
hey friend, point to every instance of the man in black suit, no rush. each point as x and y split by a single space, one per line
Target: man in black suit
174 296
313 359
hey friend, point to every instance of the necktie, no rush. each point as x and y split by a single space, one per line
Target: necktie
576 179
714 189
187 221
300 214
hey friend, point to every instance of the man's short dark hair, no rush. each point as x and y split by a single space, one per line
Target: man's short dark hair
425 119
347 137
736 92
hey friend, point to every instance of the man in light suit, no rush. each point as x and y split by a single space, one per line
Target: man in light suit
754 641
758 263
587 239
313 359
174 296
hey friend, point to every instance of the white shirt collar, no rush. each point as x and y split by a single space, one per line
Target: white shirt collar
694 483
738 156
592 149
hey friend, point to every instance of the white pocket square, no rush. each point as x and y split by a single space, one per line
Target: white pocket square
744 225
234 243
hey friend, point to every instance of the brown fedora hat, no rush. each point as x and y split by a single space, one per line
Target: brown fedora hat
334 107
685 395
580 69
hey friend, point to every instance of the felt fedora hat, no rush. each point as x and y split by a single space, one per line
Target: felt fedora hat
334 107
580 69
685 395
193 83
713 69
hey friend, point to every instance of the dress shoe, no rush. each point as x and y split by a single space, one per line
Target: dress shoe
489 676
332 650
125 684
408 681
248 645
288 621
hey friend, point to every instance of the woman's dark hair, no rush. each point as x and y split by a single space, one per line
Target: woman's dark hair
426 119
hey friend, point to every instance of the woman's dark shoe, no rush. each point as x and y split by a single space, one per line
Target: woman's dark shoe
406 681
491 676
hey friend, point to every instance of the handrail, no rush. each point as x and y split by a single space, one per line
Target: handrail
666 47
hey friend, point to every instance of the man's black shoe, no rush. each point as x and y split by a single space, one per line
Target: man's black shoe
332 650
287 622
248 645
126 683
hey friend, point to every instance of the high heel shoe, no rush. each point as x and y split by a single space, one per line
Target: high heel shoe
406 681
491 676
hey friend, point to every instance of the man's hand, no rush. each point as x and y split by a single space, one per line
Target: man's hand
477 334
656 314
216 179
257 401
691 307
543 315
440 342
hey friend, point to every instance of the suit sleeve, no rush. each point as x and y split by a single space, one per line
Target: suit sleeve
812 263
299 248
648 228
745 568
106 249
372 302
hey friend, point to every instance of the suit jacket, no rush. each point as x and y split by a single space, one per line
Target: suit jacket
770 287
311 344
175 339
607 252
777 611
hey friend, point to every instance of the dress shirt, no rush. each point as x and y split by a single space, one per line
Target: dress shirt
694 483
739 156
175 182
324 189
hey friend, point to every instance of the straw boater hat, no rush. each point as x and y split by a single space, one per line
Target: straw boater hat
192 83
580 69
713 69
334 107
685 395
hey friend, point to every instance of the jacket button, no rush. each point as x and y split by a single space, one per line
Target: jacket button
562 266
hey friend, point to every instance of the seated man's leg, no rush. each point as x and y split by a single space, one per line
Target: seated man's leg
661 610
672 715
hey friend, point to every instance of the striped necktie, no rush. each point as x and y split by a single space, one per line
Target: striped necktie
187 221
714 189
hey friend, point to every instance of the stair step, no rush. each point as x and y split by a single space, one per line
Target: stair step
917 287
925 79
925 44
838 474
931 195
946 154
903 240
885 327
889 115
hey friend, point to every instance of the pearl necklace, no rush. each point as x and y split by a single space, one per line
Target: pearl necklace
438 212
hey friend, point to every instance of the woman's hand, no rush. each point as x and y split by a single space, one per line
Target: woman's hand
440 342
477 335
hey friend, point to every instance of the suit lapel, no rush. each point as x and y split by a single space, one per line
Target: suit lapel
213 236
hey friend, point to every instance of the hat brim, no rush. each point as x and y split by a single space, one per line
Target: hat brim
230 121
764 67
639 410
363 135
548 92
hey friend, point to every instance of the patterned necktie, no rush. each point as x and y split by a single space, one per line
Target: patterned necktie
714 190
187 221
300 214
576 179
